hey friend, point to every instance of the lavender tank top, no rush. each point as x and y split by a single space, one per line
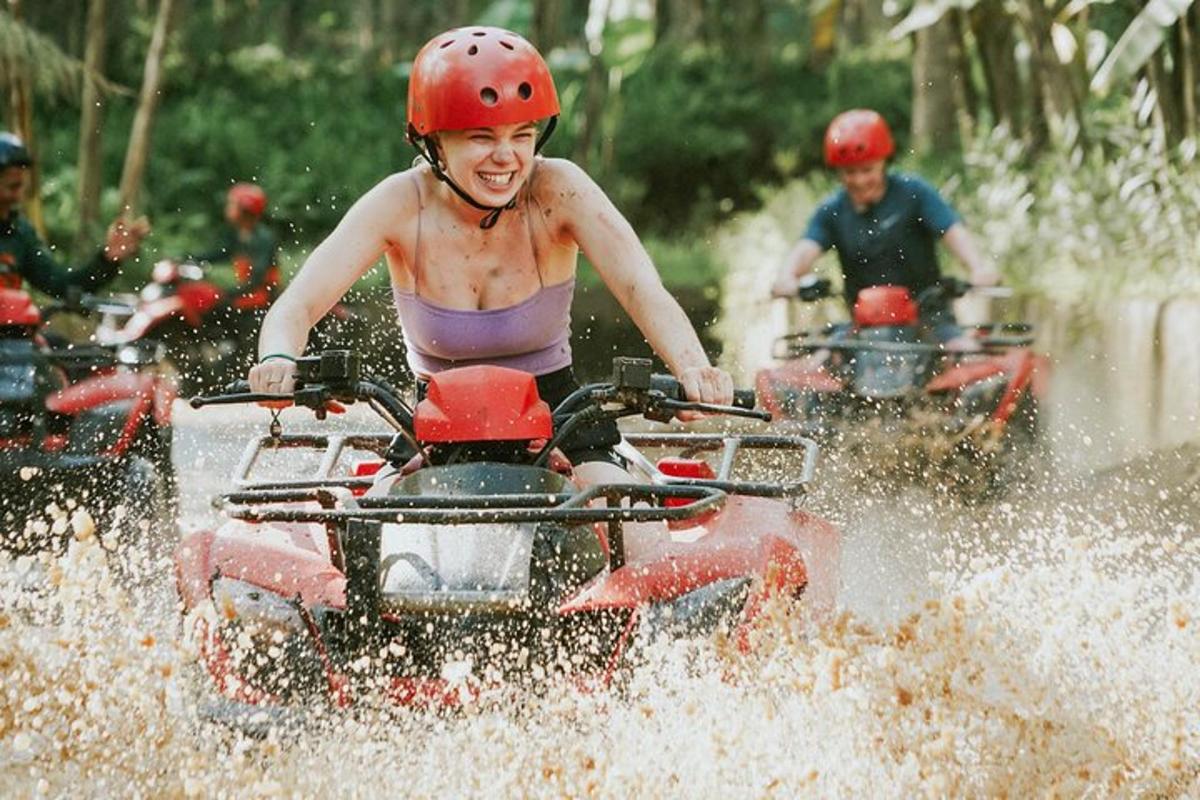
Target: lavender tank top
533 336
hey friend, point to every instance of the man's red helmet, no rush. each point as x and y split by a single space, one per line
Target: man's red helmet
249 197
858 136
478 77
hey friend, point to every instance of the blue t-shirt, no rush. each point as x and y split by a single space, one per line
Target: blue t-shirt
892 242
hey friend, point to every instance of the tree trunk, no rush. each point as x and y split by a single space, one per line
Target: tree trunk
966 96
139 137
1060 89
547 24
864 21
1185 68
364 25
91 118
595 94
21 116
935 111
679 20
1167 111
993 31
389 29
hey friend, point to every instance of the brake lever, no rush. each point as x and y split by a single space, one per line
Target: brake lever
710 408
240 397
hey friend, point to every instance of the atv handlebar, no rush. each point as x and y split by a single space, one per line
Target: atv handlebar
336 376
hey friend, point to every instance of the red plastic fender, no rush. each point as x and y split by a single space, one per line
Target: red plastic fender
198 298
17 309
885 305
482 404
108 388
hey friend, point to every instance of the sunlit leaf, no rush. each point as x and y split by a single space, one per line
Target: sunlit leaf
1065 44
621 32
1139 41
926 13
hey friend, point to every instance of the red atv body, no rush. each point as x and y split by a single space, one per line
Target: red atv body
87 423
485 563
942 406
209 336
209 341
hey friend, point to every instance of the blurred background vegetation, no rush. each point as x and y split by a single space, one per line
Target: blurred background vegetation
1063 129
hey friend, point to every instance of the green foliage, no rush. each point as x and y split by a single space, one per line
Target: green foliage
1087 226
699 134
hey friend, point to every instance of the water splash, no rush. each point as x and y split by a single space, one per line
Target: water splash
1047 651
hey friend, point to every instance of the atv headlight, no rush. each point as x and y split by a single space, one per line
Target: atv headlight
140 354
262 612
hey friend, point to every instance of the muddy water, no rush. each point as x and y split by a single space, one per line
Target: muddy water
1045 645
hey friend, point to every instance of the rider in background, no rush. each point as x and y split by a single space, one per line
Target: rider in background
884 225
25 257
249 246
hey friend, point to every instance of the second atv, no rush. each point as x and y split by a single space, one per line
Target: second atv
966 413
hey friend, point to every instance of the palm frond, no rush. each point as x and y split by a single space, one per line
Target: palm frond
25 52
1138 43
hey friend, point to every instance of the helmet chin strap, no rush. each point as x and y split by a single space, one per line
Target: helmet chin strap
428 151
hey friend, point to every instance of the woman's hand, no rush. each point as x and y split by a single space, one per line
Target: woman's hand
705 385
273 376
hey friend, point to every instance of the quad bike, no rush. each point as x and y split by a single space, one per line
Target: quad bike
965 412
461 550
82 423
209 337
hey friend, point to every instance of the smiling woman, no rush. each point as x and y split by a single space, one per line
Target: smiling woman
482 239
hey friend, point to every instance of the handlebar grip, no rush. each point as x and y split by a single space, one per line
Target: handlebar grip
744 398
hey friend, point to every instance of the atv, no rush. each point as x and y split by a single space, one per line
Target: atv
965 412
458 550
78 424
209 336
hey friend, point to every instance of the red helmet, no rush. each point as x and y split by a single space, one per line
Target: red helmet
858 136
249 197
475 78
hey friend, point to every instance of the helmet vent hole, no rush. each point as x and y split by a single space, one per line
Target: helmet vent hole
506 45
472 50
525 91
446 44
489 96
479 33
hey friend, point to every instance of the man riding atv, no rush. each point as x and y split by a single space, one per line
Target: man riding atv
884 225
249 246
25 257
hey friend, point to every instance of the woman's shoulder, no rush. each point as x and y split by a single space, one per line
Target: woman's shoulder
555 176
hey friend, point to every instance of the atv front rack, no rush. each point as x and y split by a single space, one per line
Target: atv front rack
731 447
495 509
996 338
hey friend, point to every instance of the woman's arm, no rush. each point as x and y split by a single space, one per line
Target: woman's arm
610 244
369 227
